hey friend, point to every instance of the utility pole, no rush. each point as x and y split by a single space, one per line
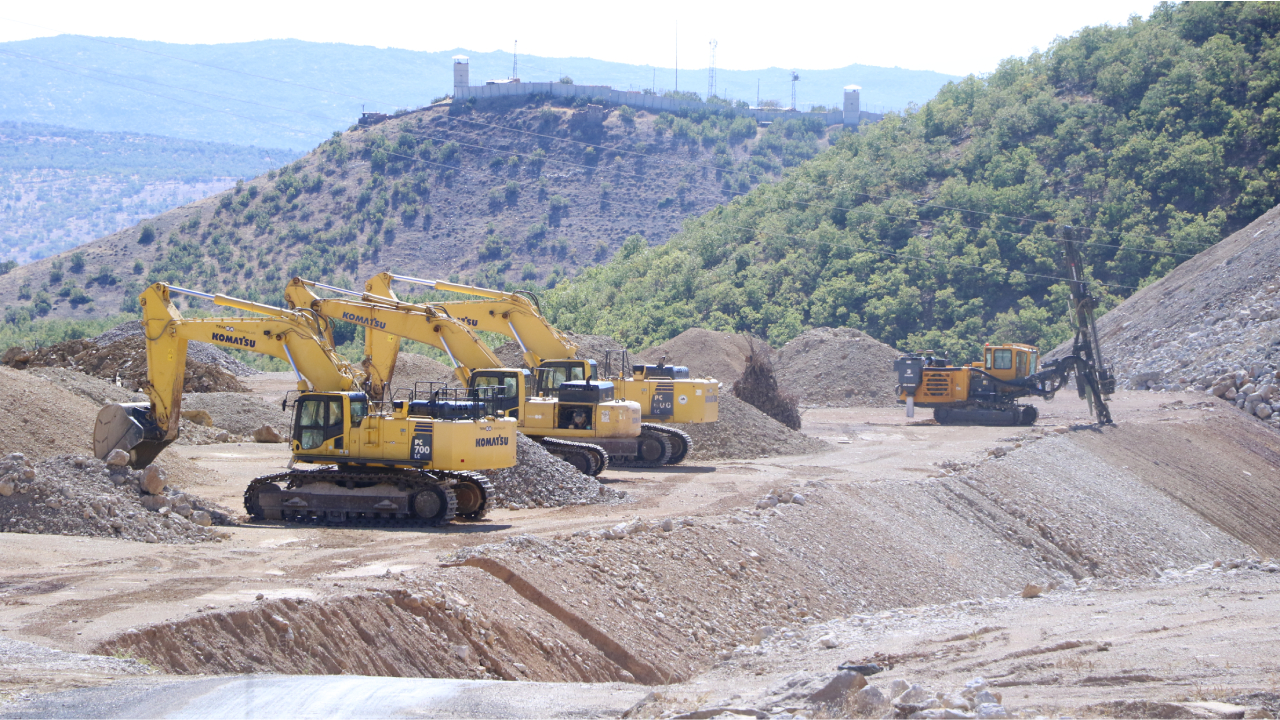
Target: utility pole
757 92
514 44
794 77
711 72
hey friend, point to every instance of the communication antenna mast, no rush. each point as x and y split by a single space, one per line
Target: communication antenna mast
514 44
794 77
711 72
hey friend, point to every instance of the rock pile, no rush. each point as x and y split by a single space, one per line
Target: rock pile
848 693
198 351
70 495
837 367
123 362
744 432
540 479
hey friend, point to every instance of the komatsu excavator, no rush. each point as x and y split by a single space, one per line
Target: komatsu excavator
666 393
388 462
987 392
580 421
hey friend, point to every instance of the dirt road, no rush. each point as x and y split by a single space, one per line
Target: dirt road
903 514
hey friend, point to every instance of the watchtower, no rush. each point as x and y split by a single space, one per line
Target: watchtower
852 106
461 76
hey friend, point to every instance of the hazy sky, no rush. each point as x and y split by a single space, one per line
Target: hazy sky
950 37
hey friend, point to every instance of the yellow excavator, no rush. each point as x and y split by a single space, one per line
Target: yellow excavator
665 393
581 422
387 462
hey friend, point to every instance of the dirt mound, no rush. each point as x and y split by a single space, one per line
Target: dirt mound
238 413
95 390
1214 316
540 479
411 368
744 432
198 351
418 631
707 353
837 367
510 354
593 347
70 495
123 361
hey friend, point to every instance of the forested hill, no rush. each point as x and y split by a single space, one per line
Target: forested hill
939 228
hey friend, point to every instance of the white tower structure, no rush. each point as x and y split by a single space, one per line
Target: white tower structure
461 76
852 107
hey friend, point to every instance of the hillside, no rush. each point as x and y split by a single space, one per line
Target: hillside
61 187
940 228
229 93
498 192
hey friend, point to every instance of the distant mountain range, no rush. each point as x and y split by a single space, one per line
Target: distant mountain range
60 187
232 93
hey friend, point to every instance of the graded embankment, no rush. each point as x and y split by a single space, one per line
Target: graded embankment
661 598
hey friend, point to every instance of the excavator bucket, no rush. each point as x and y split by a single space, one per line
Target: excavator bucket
131 428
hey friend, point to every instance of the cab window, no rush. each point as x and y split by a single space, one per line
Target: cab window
311 424
359 411
1002 360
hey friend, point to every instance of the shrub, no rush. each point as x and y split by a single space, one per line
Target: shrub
77 263
7 266
759 388
627 115
566 80
138 267
529 272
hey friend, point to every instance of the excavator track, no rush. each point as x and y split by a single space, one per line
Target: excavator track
986 414
328 496
653 449
680 441
473 491
589 459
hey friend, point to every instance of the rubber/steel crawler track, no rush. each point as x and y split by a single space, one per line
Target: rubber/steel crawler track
680 441
482 486
648 433
411 482
594 458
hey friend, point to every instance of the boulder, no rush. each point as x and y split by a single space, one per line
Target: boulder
117 458
870 702
201 518
267 434
838 689
153 480
199 417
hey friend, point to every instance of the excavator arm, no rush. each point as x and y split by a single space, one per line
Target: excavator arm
513 314
385 321
144 429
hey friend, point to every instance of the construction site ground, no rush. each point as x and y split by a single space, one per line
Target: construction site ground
911 543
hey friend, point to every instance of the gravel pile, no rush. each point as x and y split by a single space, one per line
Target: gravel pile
239 413
593 347
540 479
510 354
198 351
70 495
707 353
837 367
744 432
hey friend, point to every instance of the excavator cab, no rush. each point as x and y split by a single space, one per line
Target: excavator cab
322 421
507 387
554 373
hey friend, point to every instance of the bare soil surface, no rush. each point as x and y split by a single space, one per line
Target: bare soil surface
708 354
718 581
